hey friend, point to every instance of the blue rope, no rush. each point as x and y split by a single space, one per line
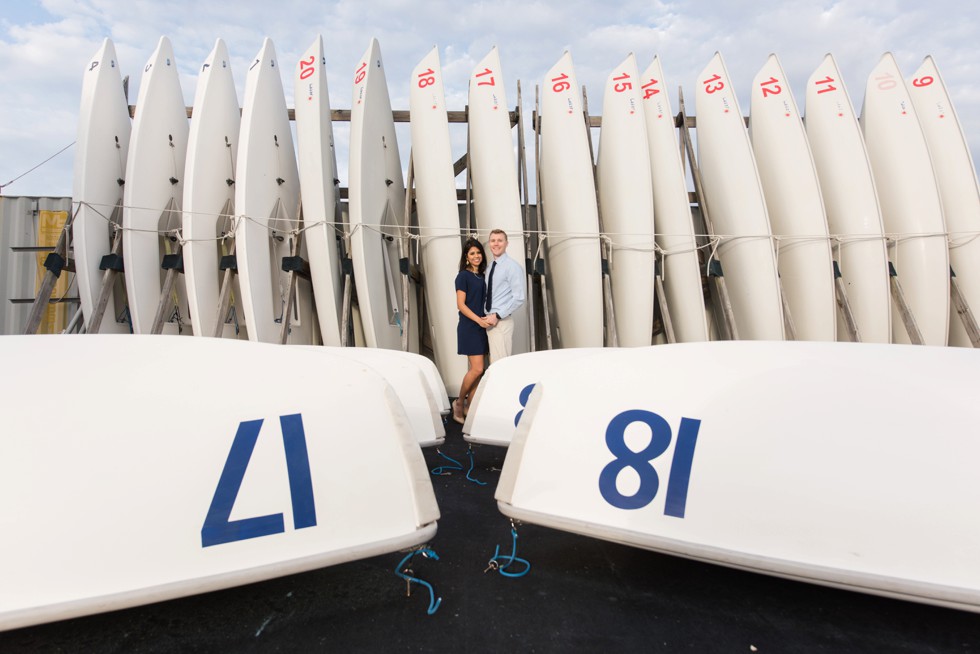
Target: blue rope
469 451
439 469
427 553
502 568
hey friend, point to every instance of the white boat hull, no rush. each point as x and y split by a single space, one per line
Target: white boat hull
409 378
626 197
851 202
493 171
267 203
695 462
104 130
910 203
795 207
377 207
154 182
672 213
438 214
320 188
503 392
571 216
957 181
736 207
209 190
231 484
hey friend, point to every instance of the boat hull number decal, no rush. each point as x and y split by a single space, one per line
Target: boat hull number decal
641 462
218 526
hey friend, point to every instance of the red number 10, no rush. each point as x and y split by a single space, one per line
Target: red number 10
886 82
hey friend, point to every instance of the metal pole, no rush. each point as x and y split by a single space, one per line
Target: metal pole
403 253
108 275
55 263
546 309
713 270
525 218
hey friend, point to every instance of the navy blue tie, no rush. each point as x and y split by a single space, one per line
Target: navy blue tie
489 302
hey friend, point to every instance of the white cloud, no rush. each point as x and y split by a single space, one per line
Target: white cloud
44 47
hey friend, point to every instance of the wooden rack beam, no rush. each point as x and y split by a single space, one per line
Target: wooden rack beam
343 115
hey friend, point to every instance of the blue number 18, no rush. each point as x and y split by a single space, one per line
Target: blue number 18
660 436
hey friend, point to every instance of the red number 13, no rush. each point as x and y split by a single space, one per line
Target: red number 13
711 88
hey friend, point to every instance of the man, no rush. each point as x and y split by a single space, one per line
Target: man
505 295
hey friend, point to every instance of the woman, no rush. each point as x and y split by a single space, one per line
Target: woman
471 333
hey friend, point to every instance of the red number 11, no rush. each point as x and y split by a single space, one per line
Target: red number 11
829 82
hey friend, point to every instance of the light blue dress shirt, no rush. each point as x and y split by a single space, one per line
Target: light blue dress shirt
508 287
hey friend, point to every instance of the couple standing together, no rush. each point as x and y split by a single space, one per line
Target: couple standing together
486 300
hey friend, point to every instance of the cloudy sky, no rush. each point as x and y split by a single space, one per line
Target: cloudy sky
45 45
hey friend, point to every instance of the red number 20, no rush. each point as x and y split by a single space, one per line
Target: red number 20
306 67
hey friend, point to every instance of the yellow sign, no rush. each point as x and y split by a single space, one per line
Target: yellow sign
49 227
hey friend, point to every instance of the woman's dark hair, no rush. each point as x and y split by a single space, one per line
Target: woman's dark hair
470 244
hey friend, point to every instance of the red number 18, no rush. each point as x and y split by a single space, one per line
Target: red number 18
426 78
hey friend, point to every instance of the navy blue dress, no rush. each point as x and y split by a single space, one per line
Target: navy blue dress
470 337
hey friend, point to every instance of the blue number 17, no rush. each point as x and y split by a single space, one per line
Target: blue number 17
219 528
